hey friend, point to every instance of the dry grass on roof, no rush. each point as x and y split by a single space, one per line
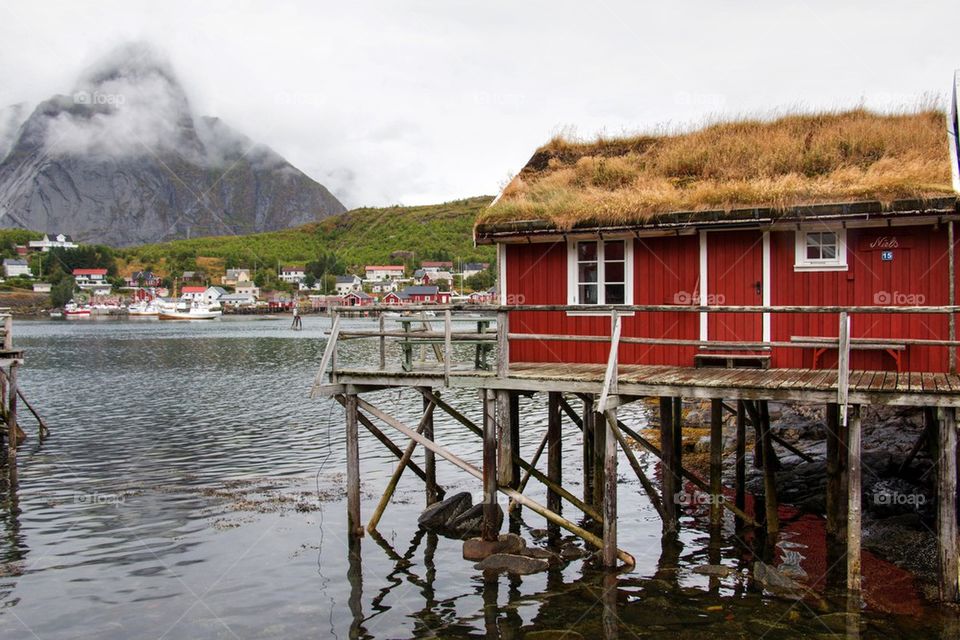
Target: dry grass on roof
792 160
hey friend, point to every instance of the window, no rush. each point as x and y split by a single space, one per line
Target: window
821 250
600 272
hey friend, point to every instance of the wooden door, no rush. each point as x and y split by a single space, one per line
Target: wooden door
735 277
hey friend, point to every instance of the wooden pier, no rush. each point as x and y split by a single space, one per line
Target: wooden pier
11 359
589 396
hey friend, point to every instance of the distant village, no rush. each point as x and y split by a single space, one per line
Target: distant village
240 290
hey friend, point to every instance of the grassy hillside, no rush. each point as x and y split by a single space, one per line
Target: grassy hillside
358 237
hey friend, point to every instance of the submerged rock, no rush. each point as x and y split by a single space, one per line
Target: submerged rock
470 522
478 548
776 582
440 515
716 570
511 563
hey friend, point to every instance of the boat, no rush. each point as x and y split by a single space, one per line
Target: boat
179 311
74 310
143 309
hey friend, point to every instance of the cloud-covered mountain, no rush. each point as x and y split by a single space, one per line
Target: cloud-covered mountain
123 160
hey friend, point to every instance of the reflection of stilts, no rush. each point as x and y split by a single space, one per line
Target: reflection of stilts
355 578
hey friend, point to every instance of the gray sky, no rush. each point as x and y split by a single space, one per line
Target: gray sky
418 102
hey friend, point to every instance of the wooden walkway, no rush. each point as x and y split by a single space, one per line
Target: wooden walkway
798 385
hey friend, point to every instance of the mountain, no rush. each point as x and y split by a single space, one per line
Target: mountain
123 160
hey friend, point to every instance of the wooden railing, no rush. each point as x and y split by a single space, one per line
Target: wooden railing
843 343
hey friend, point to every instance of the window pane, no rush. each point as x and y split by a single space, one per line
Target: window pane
615 294
588 294
813 253
613 272
829 252
613 250
586 251
588 271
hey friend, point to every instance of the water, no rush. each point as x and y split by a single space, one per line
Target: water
190 489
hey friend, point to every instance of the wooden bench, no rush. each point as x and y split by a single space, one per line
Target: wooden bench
704 360
822 344
483 347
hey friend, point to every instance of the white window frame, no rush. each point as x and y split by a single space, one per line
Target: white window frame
802 263
573 290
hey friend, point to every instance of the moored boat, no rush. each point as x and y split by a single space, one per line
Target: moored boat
195 311
74 310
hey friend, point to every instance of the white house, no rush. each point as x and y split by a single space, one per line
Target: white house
384 286
213 295
42 287
293 275
247 288
384 272
94 280
434 266
192 293
348 283
233 277
13 267
237 300
51 241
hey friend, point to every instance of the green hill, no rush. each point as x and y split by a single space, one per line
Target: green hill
355 238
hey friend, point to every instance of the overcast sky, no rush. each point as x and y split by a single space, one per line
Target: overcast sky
397 102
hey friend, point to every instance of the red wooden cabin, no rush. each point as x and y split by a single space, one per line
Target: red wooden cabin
868 227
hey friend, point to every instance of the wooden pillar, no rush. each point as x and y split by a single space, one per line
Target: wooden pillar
554 456
716 462
354 526
853 499
515 436
506 447
669 480
741 464
769 472
836 498
947 549
588 430
488 529
609 491
429 457
599 458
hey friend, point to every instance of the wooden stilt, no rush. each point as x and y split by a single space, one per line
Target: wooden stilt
554 455
740 498
599 458
836 499
515 437
669 482
588 430
771 503
354 526
716 462
355 579
757 433
489 530
853 499
506 447
947 508
429 458
610 490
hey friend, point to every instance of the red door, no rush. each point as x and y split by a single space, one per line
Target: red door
735 277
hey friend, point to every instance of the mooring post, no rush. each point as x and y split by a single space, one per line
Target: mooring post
853 498
489 530
610 490
947 549
554 457
12 440
515 437
429 457
599 457
836 496
669 480
507 447
354 526
716 462
740 498
771 503
588 430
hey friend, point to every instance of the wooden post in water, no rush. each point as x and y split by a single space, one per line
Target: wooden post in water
383 343
836 498
769 472
507 448
354 526
429 457
515 437
489 530
12 441
588 430
947 550
610 490
669 479
599 458
740 498
554 456
853 499
716 462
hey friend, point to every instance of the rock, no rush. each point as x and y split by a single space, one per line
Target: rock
542 554
510 563
776 582
477 548
438 516
572 551
716 570
469 522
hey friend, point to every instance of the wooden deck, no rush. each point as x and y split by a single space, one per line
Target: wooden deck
799 385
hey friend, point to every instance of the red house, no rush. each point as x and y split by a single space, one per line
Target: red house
357 299
846 209
418 294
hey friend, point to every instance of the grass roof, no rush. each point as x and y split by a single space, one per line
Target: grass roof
792 160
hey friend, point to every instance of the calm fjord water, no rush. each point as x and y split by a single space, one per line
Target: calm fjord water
190 489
